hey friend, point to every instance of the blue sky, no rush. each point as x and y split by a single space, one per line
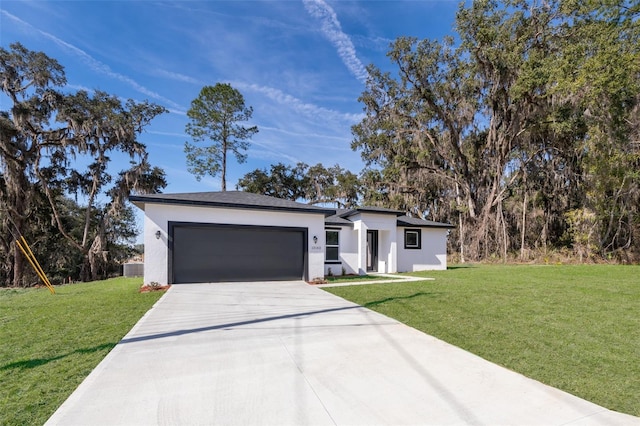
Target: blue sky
299 64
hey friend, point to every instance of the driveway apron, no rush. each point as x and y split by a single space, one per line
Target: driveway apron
286 353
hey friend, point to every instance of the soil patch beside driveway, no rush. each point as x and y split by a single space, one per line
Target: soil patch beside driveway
289 353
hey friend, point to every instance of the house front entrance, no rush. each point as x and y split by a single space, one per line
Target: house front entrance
372 251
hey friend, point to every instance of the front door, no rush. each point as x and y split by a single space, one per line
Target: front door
372 251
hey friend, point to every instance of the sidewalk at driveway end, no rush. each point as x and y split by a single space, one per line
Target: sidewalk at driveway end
390 278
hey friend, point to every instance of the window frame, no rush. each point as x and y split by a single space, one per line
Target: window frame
336 246
418 233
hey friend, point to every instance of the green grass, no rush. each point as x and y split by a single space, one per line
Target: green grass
576 328
346 278
50 343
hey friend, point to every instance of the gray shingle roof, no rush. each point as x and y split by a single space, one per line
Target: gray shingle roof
248 200
372 210
342 215
337 220
414 221
231 199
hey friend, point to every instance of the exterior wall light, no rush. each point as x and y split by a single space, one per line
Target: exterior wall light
158 234
315 239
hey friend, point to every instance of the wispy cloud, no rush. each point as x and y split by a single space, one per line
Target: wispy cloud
177 76
381 44
183 181
303 135
331 28
175 134
94 64
79 87
268 152
307 109
166 146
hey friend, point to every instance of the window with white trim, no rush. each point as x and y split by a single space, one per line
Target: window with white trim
332 246
412 238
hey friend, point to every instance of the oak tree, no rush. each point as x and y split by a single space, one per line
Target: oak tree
43 133
530 113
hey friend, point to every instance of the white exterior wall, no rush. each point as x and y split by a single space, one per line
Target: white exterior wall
158 216
347 252
386 225
392 256
360 265
432 254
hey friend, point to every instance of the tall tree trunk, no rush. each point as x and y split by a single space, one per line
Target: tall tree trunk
524 225
502 224
224 165
484 227
87 214
18 266
17 224
461 229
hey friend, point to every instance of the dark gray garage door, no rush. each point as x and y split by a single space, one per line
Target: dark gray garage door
215 253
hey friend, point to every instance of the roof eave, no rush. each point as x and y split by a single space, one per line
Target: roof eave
140 201
359 211
343 225
425 225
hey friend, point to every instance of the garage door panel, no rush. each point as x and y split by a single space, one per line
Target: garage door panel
209 253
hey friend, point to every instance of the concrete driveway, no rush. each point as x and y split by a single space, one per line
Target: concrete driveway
277 353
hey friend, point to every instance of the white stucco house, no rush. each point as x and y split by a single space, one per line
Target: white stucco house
240 236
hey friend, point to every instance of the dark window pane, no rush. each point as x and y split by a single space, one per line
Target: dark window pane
332 238
412 239
332 253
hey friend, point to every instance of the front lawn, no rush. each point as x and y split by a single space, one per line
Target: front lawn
50 343
331 279
576 328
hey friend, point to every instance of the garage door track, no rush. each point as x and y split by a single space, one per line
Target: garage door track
288 353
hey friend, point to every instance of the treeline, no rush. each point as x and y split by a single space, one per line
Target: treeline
56 187
523 131
311 184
